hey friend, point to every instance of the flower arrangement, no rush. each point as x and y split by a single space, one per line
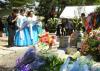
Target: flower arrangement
91 45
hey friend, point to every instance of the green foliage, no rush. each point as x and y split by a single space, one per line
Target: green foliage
98 35
76 2
52 22
50 8
71 51
18 3
77 25
98 10
52 62
44 7
93 42
97 2
92 46
89 2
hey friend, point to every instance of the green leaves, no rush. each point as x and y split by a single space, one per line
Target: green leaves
93 42
98 10
52 22
52 64
18 3
92 46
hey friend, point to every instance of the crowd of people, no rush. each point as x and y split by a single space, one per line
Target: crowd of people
23 28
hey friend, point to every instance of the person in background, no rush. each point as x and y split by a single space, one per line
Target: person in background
39 23
98 20
1 27
83 20
63 31
22 36
69 27
33 27
58 28
12 27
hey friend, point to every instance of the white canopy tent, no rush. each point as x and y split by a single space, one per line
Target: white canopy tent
75 11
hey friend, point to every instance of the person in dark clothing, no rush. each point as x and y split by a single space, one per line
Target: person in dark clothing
58 28
46 27
69 27
1 27
98 20
12 27
83 19
63 31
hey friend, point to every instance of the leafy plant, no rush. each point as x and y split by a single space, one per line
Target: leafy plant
91 46
52 22
77 25
93 42
52 62
98 9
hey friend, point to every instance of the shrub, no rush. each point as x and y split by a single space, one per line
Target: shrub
52 22
92 46
52 62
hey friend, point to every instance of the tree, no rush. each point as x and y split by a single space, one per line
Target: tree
19 3
44 8
47 6
97 2
50 8
3 4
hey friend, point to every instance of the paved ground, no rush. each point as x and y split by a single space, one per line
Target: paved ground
8 56
3 41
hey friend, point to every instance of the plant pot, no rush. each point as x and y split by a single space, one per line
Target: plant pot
63 41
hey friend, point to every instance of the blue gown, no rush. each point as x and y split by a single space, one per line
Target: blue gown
34 29
40 30
37 30
35 33
22 37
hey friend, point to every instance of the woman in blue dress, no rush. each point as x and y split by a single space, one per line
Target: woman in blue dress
33 27
22 37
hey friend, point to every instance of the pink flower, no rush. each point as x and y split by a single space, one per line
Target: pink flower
98 38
